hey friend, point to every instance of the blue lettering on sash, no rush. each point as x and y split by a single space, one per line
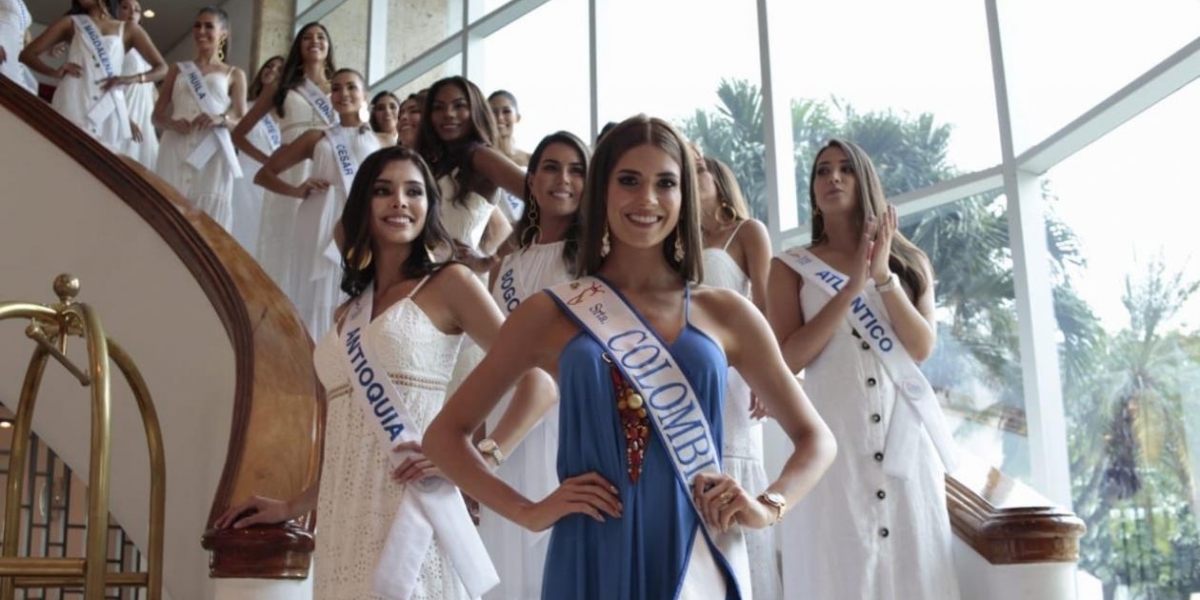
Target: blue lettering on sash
831 279
272 132
97 45
871 324
197 85
376 394
344 160
678 412
508 288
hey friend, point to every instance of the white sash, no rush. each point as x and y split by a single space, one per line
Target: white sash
113 99
318 216
25 18
319 101
870 318
274 137
511 291
430 507
512 206
674 408
218 138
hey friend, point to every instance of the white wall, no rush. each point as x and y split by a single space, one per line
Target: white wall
241 23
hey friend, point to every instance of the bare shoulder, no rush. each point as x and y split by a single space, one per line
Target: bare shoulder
453 278
720 303
754 231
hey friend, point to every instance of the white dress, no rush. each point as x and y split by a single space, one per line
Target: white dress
278 225
248 197
139 97
75 96
14 22
358 499
531 468
860 533
316 265
466 223
211 187
742 446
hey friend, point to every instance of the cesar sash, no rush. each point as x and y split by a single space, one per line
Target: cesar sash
318 215
674 408
920 406
319 101
114 98
217 138
431 507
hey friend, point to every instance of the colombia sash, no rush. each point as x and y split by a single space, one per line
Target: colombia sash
113 99
319 101
431 507
671 402
217 138
919 406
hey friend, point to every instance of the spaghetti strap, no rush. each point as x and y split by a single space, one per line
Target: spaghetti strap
687 304
418 288
729 241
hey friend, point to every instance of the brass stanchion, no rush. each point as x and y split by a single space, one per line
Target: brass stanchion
50 326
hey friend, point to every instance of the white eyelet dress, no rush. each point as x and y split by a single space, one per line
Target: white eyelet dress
742 446
358 499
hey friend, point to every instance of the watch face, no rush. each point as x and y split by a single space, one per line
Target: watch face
488 445
775 498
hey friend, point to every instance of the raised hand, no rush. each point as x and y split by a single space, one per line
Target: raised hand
415 466
256 510
860 272
883 246
723 502
588 494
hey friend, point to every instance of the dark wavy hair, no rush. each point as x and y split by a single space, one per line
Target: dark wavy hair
292 73
356 223
380 96
520 237
445 157
256 88
905 259
637 131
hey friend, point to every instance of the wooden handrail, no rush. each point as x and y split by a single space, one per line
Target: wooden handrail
274 446
1006 521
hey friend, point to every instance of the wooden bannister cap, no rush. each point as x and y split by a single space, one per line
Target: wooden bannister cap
260 552
1006 521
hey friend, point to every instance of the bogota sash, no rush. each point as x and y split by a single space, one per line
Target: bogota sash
431 507
319 101
217 138
113 99
672 403
919 406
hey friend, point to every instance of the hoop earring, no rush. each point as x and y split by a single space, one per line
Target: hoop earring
678 247
726 210
605 244
534 232
221 52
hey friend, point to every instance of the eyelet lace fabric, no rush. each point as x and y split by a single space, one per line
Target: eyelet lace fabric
358 499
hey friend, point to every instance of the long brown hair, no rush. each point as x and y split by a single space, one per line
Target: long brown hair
729 193
291 75
356 223
256 88
444 157
633 132
906 258
520 235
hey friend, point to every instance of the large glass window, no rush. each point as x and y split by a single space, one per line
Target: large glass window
451 67
913 78
1128 313
542 59
415 26
1064 57
347 25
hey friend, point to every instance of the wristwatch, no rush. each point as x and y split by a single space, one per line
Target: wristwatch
892 283
774 500
490 450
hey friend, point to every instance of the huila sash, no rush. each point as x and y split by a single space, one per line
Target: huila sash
672 403
114 98
430 507
319 101
919 405
218 138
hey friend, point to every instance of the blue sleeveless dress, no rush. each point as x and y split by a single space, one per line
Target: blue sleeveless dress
644 554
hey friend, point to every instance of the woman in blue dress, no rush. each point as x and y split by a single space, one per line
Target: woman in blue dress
624 525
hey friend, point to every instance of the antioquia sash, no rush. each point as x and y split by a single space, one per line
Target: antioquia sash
870 318
113 99
431 507
671 402
218 138
319 101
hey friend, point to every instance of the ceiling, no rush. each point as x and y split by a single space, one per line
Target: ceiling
172 21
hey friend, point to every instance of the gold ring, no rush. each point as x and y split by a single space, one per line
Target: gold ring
726 498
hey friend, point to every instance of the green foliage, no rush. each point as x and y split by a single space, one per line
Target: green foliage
1130 397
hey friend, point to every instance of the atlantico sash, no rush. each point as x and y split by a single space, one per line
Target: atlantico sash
431 507
870 319
218 138
674 408
113 99
319 101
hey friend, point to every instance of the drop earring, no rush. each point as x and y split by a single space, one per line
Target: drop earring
605 244
678 247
